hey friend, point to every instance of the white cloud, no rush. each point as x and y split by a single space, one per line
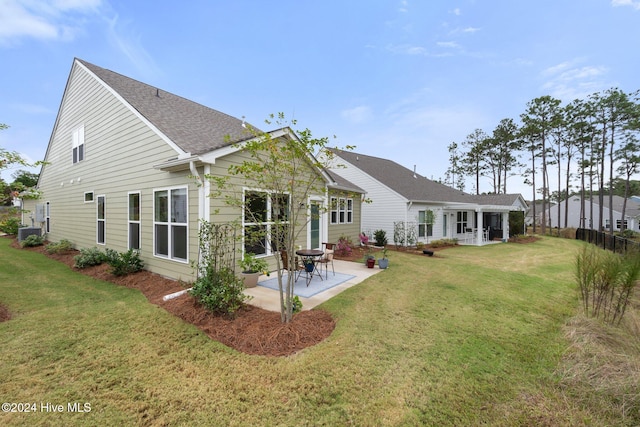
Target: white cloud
457 11
633 3
452 45
404 6
358 115
568 81
470 30
43 20
407 49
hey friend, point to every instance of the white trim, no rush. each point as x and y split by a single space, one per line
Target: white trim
93 198
130 221
168 223
104 220
151 126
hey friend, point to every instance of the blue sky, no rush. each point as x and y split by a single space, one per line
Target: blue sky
399 79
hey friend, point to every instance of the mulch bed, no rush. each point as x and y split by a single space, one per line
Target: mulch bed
252 330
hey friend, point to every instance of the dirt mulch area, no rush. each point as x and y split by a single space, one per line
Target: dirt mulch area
253 330
4 313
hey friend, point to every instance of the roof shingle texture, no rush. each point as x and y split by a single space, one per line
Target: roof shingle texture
194 128
415 187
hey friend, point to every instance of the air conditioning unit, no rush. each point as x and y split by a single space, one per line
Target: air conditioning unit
24 232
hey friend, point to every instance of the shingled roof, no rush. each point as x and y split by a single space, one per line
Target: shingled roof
194 128
415 187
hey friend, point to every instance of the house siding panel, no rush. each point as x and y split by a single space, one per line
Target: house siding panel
120 152
385 207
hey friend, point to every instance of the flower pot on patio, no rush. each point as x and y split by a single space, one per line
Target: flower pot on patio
383 263
371 262
250 279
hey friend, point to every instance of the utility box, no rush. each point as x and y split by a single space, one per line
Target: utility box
24 232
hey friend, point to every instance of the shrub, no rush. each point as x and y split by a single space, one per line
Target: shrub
123 263
443 243
220 291
606 281
344 246
32 240
60 247
380 237
627 234
10 225
89 257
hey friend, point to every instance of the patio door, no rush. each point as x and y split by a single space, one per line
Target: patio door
315 226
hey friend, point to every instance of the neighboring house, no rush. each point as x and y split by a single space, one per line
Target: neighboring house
590 217
399 197
126 168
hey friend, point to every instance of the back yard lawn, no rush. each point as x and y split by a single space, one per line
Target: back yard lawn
475 336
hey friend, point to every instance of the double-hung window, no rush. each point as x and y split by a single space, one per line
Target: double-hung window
102 220
461 224
425 223
266 217
78 144
134 220
170 223
341 210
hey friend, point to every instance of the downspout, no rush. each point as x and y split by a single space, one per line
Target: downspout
202 212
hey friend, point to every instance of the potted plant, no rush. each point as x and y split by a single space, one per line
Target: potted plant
252 268
369 259
384 261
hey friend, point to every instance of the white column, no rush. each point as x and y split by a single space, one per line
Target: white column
479 227
505 226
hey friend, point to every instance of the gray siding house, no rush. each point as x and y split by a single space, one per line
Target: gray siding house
126 167
589 218
427 209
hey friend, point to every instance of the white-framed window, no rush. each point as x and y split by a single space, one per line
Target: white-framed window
88 196
47 217
619 224
264 212
170 223
461 223
101 215
78 144
341 210
425 224
134 220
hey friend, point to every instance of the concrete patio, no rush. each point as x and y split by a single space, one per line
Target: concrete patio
269 299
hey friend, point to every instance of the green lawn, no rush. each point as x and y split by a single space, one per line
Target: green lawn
471 337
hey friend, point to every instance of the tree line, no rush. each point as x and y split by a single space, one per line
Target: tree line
589 144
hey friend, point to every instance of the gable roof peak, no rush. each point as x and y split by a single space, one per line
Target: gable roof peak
193 127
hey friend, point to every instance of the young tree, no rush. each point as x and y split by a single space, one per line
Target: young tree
281 166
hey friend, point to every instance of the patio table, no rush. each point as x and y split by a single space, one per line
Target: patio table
310 256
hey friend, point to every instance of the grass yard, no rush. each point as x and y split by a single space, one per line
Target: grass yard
475 336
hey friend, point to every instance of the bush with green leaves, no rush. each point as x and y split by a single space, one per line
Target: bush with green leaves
32 240
123 263
220 291
10 225
443 243
60 247
380 237
89 257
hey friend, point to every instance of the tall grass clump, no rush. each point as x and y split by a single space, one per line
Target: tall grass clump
606 282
